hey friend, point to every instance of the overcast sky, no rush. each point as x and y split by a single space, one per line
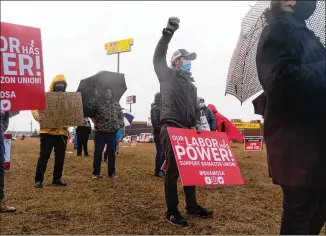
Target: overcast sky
74 33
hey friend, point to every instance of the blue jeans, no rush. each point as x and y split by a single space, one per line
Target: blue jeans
2 167
102 138
159 160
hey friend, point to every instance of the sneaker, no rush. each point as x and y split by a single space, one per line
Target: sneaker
39 184
177 219
160 174
200 212
6 209
86 155
79 156
58 183
96 176
113 176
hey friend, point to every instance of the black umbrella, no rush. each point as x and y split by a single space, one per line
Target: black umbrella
242 81
259 104
93 86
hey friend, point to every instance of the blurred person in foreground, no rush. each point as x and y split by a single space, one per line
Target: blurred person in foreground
155 120
52 139
291 69
108 119
4 123
82 133
206 116
179 109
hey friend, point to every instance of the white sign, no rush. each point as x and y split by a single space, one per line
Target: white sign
203 121
7 143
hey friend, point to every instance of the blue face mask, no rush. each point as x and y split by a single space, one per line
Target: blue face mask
186 65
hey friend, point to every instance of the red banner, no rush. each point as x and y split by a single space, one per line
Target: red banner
204 159
253 143
22 74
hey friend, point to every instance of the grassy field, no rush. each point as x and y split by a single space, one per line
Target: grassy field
133 203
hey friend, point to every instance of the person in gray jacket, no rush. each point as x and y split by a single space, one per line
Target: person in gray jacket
4 123
179 109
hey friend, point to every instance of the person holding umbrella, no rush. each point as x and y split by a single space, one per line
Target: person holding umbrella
179 109
291 69
101 94
108 120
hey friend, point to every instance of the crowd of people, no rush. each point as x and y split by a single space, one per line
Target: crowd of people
291 69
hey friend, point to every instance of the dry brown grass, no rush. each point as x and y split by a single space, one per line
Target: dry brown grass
133 203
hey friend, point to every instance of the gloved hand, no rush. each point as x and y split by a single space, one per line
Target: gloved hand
173 24
198 128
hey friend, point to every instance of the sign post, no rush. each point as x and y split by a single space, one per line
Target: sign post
131 100
118 47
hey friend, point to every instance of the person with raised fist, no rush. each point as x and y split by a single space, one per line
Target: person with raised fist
179 109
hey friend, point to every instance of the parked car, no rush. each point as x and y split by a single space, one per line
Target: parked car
146 138
127 139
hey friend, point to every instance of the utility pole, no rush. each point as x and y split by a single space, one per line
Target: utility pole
118 65
31 127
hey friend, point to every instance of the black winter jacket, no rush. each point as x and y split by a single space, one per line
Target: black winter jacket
156 115
291 69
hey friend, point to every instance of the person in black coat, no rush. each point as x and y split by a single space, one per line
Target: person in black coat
83 133
155 119
291 69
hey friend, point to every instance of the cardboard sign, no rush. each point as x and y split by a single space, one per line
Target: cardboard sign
63 110
253 143
22 74
204 159
7 143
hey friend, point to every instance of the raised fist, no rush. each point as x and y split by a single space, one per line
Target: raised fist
173 24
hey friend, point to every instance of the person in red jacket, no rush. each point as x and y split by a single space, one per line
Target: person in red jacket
224 125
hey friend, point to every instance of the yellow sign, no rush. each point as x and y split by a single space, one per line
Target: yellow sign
246 125
118 46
